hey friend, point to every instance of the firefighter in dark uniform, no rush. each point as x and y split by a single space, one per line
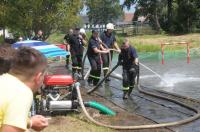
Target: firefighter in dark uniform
128 58
39 36
94 50
108 38
76 49
66 42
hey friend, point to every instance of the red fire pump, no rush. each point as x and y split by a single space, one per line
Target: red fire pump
57 94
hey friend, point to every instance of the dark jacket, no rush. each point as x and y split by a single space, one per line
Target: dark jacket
127 57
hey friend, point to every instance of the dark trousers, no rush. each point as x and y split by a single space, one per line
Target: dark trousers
76 63
95 72
129 75
67 60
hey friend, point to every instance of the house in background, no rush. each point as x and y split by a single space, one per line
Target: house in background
7 34
126 19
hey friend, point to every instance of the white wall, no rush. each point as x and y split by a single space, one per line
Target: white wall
6 33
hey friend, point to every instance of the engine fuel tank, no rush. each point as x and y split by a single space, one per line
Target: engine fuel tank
62 80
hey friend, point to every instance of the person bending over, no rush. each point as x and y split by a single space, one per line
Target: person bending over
128 58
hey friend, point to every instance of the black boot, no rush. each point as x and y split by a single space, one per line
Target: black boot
90 82
130 91
125 95
95 82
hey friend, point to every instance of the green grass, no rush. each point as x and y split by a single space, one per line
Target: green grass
73 124
152 43
56 38
146 43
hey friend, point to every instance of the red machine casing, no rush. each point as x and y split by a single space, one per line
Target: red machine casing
62 46
53 80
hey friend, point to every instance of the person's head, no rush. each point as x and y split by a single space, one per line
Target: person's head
70 31
125 44
76 31
6 58
109 27
95 33
20 38
29 65
82 31
40 33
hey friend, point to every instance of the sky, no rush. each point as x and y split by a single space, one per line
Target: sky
132 9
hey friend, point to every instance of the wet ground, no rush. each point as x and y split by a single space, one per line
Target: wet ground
179 77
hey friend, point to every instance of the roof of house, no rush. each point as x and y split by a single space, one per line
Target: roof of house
128 17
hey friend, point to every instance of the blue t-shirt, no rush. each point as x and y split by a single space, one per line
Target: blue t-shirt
108 39
93 43
127 56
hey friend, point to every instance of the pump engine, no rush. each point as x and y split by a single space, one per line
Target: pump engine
57 94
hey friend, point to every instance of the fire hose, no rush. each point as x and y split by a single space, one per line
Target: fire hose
151 126
181 122
84 59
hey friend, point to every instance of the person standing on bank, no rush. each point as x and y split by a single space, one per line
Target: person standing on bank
108 38
38 36
128 58
66 42
76 44
94 50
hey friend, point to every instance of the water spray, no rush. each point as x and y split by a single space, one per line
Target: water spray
154 73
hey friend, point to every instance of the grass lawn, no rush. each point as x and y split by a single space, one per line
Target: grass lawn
73 124
147 43
152 42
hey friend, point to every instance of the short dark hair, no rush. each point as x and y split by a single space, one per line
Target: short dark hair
94 31
77 28
28 61
6 57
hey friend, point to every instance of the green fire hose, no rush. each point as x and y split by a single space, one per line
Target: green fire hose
103 109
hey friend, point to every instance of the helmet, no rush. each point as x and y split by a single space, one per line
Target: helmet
82 30
110 26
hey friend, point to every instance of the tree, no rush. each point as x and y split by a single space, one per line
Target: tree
174 16
24 16
103 11
169 12
128 3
